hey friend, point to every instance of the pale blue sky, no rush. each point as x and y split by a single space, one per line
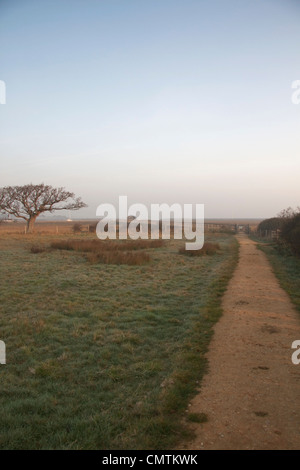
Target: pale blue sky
162 100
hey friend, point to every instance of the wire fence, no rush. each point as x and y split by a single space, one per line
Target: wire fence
272 235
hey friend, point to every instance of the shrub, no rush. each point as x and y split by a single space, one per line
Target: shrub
275 223
290 233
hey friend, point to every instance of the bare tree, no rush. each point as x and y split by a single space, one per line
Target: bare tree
288 213
29 201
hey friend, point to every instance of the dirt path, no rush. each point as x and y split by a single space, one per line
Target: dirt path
251 393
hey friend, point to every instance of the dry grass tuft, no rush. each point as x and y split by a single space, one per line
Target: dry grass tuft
119 257
207 249
37 249
110 251
96 246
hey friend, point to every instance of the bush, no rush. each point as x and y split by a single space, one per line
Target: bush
290 233
275 223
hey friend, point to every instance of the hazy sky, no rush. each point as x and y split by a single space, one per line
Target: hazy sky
162 100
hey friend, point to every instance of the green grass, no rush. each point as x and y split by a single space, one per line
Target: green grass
104 356
286 268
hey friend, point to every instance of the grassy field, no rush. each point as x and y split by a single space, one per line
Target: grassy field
286 268
104 356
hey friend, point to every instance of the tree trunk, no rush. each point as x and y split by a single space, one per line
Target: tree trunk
30 223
